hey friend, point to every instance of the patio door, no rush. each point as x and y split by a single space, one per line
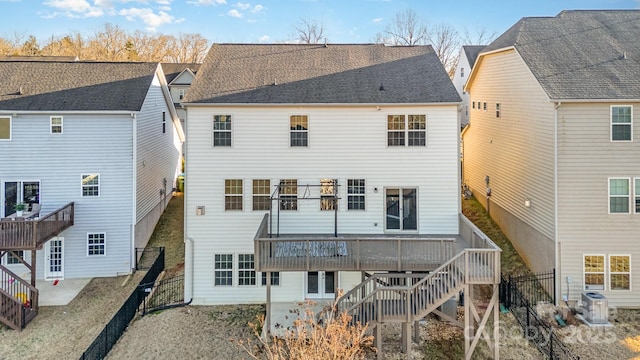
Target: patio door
321 284
54 256
401 209
27 192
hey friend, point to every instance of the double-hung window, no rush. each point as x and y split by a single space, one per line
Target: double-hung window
594 272
409 130
246 270
56 124
355 194
328 194
621 123
619 195
223 270
275 278
222 130
619 272
15 257
299 125
233 194
5 128
288 194
261 195
90 185
636 192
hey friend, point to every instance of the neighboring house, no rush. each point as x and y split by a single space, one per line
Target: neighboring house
468 55
554 140
99 140
179 78
315 166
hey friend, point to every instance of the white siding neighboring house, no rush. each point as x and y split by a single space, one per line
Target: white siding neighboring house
468 55
179 78
557 143
104 136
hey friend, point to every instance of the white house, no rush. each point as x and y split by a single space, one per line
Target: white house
468 55
554 139
92 147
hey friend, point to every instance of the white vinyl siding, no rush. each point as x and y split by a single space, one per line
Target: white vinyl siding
261 150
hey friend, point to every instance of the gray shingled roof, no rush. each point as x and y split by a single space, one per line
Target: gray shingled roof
172 70
580 54
74 86
472 52
319 74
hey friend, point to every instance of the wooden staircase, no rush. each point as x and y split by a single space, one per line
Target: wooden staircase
18 300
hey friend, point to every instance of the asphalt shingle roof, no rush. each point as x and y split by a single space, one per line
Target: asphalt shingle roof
74 86
321 74
580 54
172 70
472 52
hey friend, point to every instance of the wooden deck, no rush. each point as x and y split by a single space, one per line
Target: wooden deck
31 234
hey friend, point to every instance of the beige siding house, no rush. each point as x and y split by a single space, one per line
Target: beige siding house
551 136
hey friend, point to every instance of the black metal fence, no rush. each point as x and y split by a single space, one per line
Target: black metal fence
117 325
163 294
521 295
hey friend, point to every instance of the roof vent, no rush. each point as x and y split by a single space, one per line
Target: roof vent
624 55
20 92
381 87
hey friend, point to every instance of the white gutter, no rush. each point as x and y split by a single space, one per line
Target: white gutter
320 104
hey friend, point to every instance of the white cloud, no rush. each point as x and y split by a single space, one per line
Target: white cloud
258 8
242 6
234 13
377 20
207 2
74 8
264 38
149 18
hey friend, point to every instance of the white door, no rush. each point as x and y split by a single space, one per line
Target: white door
321 284
54 254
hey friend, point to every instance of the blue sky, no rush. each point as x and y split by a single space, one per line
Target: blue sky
248 21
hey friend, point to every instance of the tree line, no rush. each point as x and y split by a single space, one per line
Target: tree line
112 43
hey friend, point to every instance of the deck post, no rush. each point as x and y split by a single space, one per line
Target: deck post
377 340
416 331
468 327
406 339
33 267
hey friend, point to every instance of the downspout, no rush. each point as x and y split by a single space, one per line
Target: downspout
558 272
188 269
134 171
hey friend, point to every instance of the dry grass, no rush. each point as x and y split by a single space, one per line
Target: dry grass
169 233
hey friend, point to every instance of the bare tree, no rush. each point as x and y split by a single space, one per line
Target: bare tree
189 48
481 36
405 29
109 44
445 41
310 32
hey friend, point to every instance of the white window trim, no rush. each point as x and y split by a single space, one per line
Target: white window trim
51 125
253 194
241 195
406 130
233 274
213 130
346 205
82 186
608 268
299 131
611 123
181 94
584 273
630 196
236 268
103 245
633 194
10 127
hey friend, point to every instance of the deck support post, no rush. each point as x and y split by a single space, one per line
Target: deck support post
406 339
416 331
33 267
377 339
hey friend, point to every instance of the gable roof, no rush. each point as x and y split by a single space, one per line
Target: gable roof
580 54
321 74
472 52
74 86
172 70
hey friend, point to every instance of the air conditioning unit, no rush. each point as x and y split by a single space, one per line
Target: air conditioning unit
595 307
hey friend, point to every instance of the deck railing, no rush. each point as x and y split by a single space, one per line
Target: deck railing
27 234
18 298
349 253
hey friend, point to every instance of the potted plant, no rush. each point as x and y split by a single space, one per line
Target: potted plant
20 207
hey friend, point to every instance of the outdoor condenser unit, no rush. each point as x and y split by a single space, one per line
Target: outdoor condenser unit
596 307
